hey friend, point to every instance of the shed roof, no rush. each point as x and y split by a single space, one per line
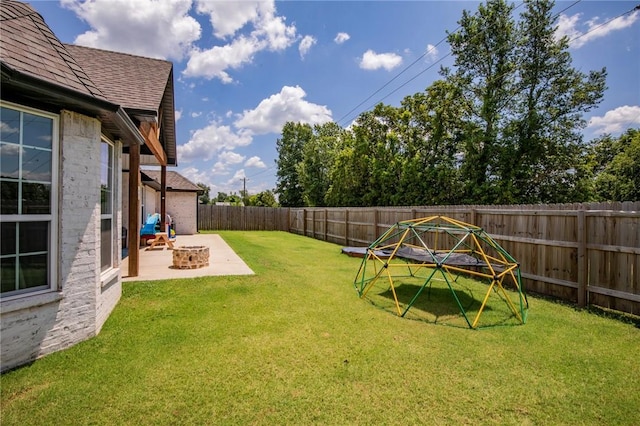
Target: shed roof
175 181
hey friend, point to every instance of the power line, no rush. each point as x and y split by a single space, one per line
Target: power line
605 23
431 66
396 76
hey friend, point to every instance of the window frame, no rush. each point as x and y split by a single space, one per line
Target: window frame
52 217
112 202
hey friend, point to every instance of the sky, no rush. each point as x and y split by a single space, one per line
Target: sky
242 69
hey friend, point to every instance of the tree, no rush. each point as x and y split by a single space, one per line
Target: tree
617 174
484 51
234 200
551 98
317 156
290 154
204 198
523 105
429 171
348 175
221 197
263 199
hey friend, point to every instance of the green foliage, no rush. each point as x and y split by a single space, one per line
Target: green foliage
503 126
615 164
293 344
318 154
234 200
263 199
204 198
221 197
290 154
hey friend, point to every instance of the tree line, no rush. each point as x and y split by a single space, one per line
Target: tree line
502 126
261 199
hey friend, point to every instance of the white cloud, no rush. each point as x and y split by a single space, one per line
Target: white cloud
227 17
341 38
255 162
431 53
220 168
373 61
196 114
230 157
195 175
154 28
206 142
305 45
616 120
213 62
239 175
568 26
288 105
269 33
178 114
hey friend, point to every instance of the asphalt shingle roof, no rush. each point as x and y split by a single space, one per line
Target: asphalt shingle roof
143 87
29 46
175 181
133 82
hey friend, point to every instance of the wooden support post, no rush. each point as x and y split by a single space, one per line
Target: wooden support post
583 296
134 207
473 218
163 199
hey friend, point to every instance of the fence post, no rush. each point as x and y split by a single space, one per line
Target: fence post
326 223
313 223
375 224
304 222
473 218
346 227
583 296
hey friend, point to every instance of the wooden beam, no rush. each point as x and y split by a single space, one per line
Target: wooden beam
134 207
163 198
150 132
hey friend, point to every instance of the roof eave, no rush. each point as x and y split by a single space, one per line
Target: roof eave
23 87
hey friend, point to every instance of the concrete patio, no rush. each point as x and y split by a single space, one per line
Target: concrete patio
156 264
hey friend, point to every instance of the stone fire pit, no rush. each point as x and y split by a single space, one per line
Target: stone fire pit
190 257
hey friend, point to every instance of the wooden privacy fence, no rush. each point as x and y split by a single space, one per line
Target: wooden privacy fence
586 253
234 218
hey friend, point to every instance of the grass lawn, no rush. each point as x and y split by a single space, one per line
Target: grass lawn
295 345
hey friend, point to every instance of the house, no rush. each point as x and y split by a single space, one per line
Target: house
181 199
70 118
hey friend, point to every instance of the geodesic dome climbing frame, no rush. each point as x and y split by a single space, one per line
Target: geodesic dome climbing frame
442 248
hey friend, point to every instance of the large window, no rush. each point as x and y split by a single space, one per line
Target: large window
106 205
28 172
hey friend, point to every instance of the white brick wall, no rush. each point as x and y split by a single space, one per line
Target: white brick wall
183 208
34 326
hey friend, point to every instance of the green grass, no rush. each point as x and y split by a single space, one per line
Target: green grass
295 345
